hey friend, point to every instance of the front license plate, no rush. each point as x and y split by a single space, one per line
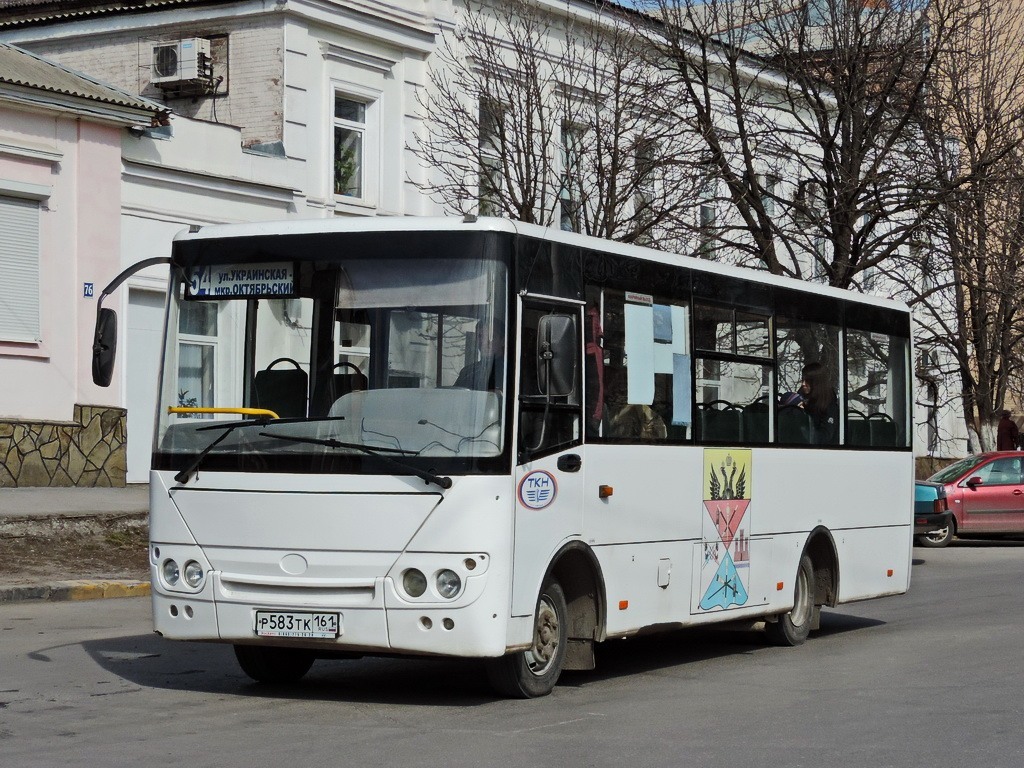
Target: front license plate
289 624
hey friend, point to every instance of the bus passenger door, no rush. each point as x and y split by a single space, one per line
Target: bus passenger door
548 474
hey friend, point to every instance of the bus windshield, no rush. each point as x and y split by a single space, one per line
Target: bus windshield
335 364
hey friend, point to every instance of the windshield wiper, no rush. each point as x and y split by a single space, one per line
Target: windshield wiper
380 453
184 475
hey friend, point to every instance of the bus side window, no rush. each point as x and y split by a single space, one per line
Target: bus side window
643 382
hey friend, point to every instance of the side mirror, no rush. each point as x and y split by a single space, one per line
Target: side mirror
104 347
973 481
556 355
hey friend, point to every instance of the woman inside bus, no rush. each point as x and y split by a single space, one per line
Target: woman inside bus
821 404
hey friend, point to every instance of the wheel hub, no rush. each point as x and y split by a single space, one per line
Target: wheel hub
545 638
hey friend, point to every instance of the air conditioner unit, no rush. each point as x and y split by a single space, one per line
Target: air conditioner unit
180 61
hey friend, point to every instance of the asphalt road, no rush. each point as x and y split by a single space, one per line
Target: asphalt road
932 678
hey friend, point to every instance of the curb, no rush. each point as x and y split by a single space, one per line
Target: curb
75 590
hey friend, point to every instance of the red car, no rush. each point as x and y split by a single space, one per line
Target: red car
985 493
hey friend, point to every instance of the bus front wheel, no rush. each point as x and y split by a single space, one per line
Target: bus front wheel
534 672
792 628
274 665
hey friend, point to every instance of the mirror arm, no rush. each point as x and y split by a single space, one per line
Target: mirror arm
104 340
116 282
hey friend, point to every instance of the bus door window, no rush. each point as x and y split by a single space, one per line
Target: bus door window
594 365
550 380
802 343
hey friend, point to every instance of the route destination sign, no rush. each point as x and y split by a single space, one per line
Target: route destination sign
242 281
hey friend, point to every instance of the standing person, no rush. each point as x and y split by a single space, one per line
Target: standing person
821 404
1006 434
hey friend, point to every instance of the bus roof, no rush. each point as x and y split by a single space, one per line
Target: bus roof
488 224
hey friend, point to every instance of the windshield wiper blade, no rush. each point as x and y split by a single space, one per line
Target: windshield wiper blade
380 453
184 475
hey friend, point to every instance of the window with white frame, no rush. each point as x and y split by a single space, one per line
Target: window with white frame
19 265
769 185
707 218
645 153
491 117
569 203
350 126
197 354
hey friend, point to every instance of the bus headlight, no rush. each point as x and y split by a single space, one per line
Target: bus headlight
448 584
171 572
414 582
194 574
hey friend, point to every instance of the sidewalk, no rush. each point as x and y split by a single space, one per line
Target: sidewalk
53 518
72 502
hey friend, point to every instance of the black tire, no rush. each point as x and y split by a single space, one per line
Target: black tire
793 628
535 672
274 665
936 539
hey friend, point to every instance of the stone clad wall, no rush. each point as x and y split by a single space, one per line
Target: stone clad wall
87 452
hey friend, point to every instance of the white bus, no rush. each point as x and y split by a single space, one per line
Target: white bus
493 440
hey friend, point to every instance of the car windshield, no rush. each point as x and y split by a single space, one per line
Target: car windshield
955 470
400 355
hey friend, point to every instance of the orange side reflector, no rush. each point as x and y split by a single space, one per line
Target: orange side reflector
623 605
889 572
778 586
604 491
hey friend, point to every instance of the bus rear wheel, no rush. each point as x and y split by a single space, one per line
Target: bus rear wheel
793 628
534 672
274 665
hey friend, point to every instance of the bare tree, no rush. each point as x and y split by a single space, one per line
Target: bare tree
810 114
553 119
973 303
491 132
625 170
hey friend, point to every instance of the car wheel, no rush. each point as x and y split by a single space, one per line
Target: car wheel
534 672
274 665
936 539
793 628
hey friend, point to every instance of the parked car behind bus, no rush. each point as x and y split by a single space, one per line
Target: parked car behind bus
985 494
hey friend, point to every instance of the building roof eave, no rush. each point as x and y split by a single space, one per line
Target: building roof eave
49 101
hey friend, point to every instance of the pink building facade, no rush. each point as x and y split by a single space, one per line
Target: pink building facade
60 200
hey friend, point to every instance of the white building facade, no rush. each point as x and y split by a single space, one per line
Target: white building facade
281 108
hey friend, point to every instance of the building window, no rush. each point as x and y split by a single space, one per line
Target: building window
645 165
707 217
769 185
197 350
569 198
491 118
19 265
349 146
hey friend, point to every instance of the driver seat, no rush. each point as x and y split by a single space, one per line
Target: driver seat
330 386
281 390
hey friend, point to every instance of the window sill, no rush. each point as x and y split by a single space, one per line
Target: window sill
30 349
353 204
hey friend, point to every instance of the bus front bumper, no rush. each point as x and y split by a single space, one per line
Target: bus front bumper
384 623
